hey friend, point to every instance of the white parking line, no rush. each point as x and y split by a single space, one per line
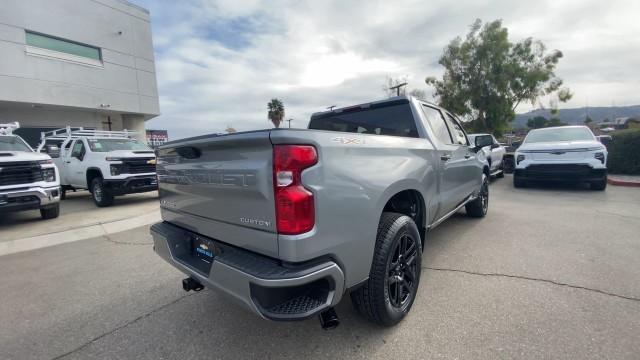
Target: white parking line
88 232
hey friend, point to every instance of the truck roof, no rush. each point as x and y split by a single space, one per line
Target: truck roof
402 99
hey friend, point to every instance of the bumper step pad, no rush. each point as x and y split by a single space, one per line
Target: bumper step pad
299 305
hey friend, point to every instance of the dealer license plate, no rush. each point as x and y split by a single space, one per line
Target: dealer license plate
202 248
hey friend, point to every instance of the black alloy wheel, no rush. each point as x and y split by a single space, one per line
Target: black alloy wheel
401 270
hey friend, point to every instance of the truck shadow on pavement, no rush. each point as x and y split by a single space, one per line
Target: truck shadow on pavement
209 323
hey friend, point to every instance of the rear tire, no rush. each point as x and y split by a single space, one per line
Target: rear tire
479 207
599 185
387 296
50 212
101 196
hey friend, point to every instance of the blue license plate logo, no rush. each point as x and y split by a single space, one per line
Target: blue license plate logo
203 249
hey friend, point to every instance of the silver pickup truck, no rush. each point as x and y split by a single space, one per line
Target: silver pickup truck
288 221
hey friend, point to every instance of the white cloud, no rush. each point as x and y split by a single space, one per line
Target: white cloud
333 69
220 62
232 8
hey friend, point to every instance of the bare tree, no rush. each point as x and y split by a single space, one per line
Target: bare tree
395 86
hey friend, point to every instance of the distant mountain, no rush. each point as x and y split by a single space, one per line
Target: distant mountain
578 115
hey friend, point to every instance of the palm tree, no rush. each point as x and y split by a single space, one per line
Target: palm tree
276 112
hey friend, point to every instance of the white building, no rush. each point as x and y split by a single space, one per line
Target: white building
82 63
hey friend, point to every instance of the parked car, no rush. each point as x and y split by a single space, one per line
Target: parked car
605 140
28 180
566 153
288 221
494 153
107 163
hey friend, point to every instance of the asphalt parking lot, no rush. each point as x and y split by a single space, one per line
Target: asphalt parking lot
551 272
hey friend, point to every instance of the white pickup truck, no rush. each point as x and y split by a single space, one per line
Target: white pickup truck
107 163
28 180
494 154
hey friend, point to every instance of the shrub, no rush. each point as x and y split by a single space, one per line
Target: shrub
624 153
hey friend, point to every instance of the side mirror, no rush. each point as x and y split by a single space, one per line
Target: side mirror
53 151
495 146
482 141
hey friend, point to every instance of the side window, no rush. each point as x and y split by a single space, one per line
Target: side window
437 124
57 143
78 149
456 131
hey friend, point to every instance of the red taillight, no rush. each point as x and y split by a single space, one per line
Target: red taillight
295 210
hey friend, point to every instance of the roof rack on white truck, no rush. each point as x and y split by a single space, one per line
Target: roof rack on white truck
107 163
74 133
28 180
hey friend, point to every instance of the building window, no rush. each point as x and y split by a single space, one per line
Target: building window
45 45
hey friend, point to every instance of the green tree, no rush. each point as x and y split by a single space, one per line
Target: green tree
555 122
542 122
275 112
537 122
486 76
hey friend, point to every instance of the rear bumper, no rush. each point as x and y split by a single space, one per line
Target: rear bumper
28 198
131 185
560 172
265 286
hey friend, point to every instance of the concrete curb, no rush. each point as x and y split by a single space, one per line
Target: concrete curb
77 234
618 182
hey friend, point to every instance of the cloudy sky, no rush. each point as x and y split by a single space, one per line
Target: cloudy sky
219 62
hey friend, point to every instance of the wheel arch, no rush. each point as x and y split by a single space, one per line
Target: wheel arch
92 173
408 201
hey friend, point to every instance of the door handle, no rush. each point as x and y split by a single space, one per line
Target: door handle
445 157
467 156
68 162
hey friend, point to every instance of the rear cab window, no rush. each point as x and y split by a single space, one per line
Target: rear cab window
393 118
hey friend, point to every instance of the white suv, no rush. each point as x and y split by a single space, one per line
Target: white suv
565 153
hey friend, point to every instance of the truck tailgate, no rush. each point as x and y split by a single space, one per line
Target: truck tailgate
221 187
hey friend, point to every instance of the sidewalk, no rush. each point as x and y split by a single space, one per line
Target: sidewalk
79 219
624 180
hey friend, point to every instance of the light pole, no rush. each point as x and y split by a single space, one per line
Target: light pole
289 121
330 108
397 87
